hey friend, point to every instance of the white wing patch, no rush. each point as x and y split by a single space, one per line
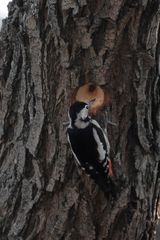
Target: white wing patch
105 137
91 168
101 151
95 123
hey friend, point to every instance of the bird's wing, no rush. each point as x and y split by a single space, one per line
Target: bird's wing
103 146
101 135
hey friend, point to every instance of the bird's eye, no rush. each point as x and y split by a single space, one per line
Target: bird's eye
87 107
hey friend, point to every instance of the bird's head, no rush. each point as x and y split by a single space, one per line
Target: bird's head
79 113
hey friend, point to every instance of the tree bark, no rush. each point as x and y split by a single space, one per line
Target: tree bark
47 48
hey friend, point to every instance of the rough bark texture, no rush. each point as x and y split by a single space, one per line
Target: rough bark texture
47 48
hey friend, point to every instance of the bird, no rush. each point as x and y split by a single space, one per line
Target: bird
90 145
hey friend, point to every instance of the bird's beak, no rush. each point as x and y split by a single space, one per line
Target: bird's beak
91 102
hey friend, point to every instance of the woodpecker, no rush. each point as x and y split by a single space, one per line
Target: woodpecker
89 144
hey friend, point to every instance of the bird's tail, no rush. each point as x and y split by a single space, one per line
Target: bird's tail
106 185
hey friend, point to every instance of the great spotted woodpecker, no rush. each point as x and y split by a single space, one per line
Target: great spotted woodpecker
89 144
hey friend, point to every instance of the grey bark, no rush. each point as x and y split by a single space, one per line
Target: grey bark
47 48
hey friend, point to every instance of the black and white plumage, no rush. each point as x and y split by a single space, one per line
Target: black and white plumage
89 144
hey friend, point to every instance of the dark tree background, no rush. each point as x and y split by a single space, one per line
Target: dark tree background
47 48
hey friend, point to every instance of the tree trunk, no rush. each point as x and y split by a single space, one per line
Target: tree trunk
47 48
